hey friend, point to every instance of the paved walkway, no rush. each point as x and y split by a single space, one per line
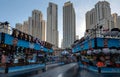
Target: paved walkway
51 66
87 73
61 71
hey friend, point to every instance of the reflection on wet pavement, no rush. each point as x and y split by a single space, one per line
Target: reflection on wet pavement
87 73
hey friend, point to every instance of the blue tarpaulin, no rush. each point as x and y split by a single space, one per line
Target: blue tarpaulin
23 43
101 42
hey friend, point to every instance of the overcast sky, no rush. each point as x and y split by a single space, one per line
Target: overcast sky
17 11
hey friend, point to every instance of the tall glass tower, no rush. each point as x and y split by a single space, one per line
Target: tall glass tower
69 25
52 24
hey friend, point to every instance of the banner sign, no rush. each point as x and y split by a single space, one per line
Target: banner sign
108 42
101 42
10 40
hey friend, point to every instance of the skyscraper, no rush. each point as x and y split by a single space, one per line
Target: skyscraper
69 25
36 24
103 10
30 26
118 22
90 19
99 18
43 30
26 27
52 24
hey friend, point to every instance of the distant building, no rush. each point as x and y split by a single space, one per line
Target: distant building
99 17
115 20
77 37
36 22
69 25
30 26
23 27
118 22
35 25
19 26
103 11
52 24
26 27
62 43
43 30
5 28
90 19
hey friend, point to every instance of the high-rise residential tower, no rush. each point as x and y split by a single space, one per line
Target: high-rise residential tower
43 30
118 22
52 24
30 26
69 25
103 10
99 19
90 19
26 27
99 16
36 24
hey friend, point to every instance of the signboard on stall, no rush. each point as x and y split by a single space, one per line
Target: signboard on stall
101 42
108 42
10 40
